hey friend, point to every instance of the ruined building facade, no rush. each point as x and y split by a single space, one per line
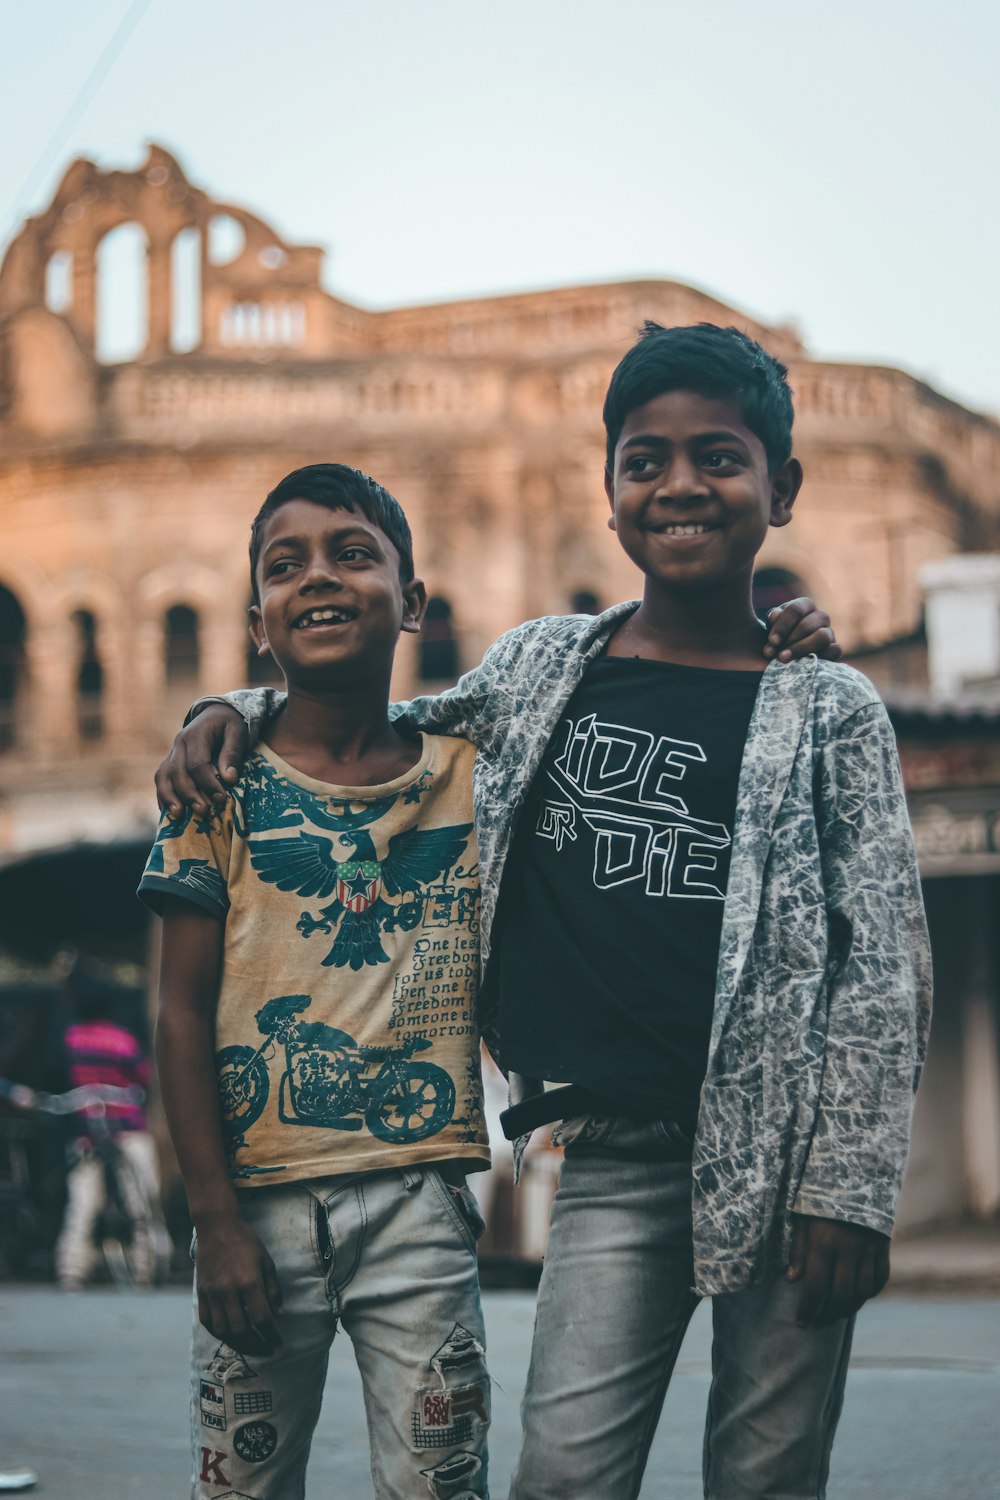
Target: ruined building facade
133 458
126 487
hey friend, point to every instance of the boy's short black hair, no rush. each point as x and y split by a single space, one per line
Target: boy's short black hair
719 362
338 487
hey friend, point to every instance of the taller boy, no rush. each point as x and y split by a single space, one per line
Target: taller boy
711 920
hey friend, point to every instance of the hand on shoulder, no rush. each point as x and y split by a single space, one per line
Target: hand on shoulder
204 761
800 628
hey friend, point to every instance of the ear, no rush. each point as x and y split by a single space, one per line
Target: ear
414 606
784 487
257 631
609 490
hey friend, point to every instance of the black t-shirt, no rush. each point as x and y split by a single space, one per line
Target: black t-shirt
611 908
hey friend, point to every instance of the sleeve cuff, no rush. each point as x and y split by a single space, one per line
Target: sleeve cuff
153 887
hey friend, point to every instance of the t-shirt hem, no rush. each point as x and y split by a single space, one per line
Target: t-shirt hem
475 1154
151 886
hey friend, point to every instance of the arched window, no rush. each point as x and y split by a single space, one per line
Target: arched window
13 633
438 645
773 586
182 653
226 240
122 294
585 602
89 678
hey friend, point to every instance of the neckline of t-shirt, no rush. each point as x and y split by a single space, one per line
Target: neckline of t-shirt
687 667
353 793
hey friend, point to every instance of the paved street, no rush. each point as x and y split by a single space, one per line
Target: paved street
93 1396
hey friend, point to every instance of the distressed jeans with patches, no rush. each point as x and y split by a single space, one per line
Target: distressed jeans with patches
391 1256
614 1303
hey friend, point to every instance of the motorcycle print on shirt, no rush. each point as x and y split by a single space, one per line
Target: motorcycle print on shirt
330 1082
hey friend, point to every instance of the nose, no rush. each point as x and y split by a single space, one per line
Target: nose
681 480
318 573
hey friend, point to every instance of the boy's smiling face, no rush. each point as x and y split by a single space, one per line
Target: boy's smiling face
691 497
331 599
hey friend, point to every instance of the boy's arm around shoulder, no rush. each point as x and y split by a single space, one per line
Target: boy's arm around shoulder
879 972
206 758
239 1296
207 755
481 704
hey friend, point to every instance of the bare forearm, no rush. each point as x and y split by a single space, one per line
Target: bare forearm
185 1048
239 1296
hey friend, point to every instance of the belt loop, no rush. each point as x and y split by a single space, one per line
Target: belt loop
411 1179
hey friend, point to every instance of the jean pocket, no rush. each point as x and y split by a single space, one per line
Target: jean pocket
670 1132
460 1202
468 1206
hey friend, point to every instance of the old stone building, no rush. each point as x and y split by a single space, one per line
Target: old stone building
165 357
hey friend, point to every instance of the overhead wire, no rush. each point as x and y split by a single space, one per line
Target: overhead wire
82 101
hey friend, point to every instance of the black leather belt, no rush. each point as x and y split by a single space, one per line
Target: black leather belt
555 1104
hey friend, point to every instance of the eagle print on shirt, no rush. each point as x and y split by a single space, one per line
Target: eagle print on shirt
373 895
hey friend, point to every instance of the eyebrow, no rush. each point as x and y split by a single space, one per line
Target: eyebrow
334 536
652 440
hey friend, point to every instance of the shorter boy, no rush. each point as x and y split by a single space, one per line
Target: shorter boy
317 1044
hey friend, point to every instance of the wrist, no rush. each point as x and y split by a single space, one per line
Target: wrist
207 1217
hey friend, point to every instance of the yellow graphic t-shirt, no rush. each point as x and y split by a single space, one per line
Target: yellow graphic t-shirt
346 1035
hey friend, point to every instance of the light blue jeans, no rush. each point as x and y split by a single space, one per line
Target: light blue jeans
392 1257
614 1303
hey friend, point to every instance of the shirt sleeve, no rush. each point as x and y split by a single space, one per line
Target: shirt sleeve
256 705
879 986
190 860
458 711
476 707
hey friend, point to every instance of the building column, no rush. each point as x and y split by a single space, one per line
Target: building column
981 1054
160 294
50 731
82 312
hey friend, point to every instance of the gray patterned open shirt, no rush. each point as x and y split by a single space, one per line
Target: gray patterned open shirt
822 1002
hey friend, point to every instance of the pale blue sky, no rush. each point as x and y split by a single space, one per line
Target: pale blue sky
836 165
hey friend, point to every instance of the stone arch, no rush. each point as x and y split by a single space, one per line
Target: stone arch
182 629
773 585
216 599
13 667
585 601
89 676
438 653
114 708
180 583
227 239
122 326
21 574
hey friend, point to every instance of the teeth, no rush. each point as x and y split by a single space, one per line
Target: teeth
690 529
322 616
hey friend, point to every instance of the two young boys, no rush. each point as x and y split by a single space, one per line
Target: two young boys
700 907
